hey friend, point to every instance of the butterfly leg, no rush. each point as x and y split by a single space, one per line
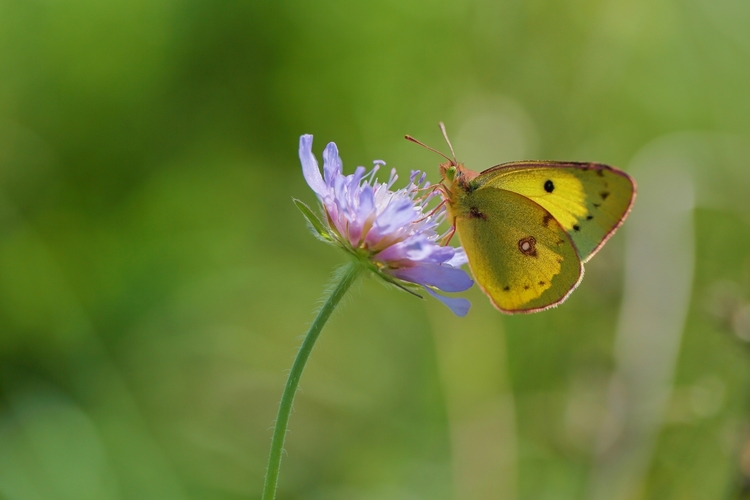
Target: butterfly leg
432 212
429 191
447 238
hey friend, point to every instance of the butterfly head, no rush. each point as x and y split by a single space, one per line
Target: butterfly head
452 172
455 174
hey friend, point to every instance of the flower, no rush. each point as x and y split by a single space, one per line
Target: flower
387 230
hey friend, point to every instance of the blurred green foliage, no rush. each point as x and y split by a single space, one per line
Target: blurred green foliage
155 276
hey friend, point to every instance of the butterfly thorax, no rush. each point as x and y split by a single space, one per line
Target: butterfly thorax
458 185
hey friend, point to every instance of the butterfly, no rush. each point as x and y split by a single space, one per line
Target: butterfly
529 226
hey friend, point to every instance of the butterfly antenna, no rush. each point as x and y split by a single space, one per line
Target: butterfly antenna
445 134
412 139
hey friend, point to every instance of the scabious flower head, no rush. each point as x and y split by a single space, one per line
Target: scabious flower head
386 229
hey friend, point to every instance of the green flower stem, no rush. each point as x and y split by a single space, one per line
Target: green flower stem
346 278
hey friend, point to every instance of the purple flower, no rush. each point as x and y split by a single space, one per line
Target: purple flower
387 230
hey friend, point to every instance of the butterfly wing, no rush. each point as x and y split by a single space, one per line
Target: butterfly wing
520 256
589 200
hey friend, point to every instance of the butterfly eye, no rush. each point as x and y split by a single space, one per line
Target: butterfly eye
549 186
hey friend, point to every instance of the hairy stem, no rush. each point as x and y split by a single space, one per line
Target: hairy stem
345 279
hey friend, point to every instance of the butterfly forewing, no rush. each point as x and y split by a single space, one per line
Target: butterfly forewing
589 200
519 254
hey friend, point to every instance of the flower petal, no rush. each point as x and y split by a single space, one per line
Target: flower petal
459 306
356 177
408 249
339 191
331 163
439 254
366 203
398 213
416 248
446 278
310 168
362 216
459 258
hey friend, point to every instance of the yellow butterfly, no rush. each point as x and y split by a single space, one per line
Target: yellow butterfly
527 227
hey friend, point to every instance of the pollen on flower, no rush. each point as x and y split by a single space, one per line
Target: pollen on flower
392 229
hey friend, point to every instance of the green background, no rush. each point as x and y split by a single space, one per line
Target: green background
155 277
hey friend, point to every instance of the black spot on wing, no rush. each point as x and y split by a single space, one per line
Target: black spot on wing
576 227
506 289
589 217
604 194
549 186
474 213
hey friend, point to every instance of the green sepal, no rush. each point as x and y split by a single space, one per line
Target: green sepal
407 287
312 220
395 283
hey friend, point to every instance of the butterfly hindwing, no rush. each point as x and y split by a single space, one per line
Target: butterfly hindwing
519 254
589 200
